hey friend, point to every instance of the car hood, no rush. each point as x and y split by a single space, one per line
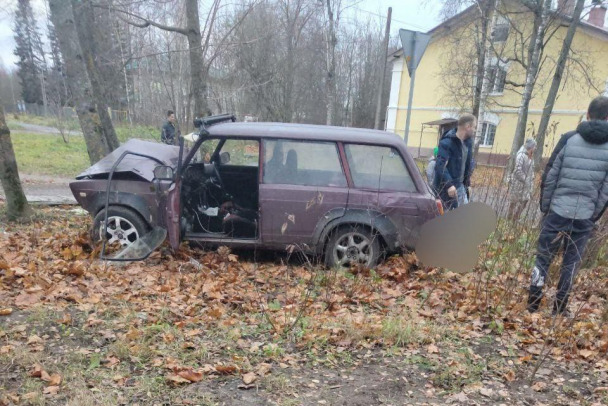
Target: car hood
140 166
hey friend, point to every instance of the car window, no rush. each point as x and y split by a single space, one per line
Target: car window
378 168
207 149
242 152
302 163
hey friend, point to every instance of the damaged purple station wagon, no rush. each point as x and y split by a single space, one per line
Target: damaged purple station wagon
348 195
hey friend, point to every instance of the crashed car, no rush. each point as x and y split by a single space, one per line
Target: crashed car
348 195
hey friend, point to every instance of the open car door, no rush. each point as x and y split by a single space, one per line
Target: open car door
173 214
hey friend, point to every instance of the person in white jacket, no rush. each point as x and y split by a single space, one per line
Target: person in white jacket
522 180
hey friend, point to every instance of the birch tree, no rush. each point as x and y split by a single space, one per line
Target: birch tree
556 82
535 47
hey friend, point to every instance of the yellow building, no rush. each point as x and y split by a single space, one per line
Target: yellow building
445 79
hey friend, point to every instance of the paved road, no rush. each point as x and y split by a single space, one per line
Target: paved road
39 129
40 189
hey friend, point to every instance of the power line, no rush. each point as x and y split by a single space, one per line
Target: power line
383 16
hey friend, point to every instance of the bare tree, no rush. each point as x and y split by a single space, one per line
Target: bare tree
192 32
85 23
16 202
331 42
555 84
541 9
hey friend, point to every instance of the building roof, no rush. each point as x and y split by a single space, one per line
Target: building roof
304 132
457 18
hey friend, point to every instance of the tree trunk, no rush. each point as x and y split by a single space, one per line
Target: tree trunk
78 80
330 83
195 51
16 203
481 85
557 80
382 75
531 73
85 19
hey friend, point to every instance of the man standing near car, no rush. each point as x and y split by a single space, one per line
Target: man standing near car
453 167
169 131
574 195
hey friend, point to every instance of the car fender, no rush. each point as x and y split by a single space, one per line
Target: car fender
374 219
129 200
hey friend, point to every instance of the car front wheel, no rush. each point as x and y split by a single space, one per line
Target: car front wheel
125 226
352 245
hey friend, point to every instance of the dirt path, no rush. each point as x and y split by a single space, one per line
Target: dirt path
41 189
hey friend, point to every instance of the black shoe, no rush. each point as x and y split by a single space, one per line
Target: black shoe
534 297
560 307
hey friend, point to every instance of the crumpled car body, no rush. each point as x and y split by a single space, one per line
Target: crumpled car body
347 194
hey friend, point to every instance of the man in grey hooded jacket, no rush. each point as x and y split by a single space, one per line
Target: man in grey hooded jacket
574 195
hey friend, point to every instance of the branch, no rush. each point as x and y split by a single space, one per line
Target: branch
146 22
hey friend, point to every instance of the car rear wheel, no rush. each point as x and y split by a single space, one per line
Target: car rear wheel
352 245
125 226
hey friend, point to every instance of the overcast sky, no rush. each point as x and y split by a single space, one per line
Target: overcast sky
410 14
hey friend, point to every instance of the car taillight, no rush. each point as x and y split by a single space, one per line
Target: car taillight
439 206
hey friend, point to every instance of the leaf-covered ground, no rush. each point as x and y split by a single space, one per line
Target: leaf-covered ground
224 328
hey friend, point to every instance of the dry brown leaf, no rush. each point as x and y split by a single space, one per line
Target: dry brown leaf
5 349
45 376
176 379
51 390
189 374
587 353
263 369
226 369
510 375
6 311
55 379
111 361
432 349
601 389
36 371
249 378
66 319
539 386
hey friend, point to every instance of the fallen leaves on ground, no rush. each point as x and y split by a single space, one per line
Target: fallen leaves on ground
52 263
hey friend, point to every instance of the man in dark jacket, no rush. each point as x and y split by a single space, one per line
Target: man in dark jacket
168 132
453 166
574 195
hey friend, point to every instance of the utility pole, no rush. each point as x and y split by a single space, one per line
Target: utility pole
11 76
387 34
44 103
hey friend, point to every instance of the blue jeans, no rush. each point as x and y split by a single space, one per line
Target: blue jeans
462 196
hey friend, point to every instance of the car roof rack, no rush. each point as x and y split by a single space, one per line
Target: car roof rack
203 123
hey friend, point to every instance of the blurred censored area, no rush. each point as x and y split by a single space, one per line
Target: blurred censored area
451 241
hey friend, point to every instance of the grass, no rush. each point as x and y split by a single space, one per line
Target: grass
49 155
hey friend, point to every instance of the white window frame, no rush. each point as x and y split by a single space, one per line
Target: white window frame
500 22
485 132
495 85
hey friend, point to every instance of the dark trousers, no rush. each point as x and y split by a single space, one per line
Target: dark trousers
557 231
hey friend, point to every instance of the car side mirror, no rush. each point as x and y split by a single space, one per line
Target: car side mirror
163 172
225 157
